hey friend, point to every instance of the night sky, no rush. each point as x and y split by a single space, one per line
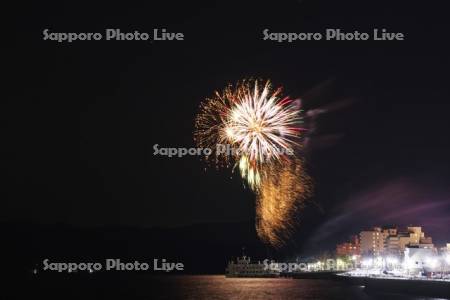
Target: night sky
81 119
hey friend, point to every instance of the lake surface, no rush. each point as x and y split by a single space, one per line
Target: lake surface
209 287
219 287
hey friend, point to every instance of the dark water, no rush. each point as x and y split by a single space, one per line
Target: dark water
206 287
219 287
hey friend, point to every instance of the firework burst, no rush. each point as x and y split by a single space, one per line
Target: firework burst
258 123
263 129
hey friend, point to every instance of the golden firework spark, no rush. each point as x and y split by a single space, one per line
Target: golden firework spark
280 197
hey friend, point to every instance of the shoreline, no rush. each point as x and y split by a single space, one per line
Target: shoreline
416 287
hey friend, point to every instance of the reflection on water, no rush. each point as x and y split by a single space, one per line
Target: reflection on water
219 287
128 286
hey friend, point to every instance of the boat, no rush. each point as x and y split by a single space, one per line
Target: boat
243 267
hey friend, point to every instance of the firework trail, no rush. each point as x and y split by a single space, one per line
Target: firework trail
280 197
264 130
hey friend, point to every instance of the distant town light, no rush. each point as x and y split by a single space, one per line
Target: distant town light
392 260
431 262
367 262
